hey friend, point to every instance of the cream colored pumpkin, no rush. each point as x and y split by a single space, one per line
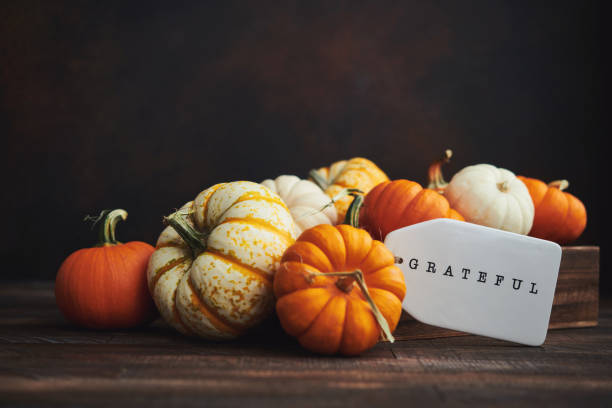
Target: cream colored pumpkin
305 201
214 279
491 196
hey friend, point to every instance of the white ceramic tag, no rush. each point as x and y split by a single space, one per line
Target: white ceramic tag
479 280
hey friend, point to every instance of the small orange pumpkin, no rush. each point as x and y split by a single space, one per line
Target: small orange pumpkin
354 174
559 216
337 288
395 204
105 287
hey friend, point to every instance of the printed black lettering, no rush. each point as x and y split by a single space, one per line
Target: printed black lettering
482 276
499 280
414 263
431 267
514 285
449 271
466 272
532 289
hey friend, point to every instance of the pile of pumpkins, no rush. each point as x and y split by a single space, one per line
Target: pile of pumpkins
241 250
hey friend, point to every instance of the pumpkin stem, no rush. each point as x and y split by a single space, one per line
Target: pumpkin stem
345 192
503 186
108 220
436 179
345 285
339 196
193 238
560 184
352 214
318 179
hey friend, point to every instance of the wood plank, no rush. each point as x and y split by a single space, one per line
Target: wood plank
576 301
46 361
572 365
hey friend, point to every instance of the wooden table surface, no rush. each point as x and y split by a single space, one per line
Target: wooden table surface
46 362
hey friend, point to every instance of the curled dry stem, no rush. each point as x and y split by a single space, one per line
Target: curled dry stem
560 184
108 220
436 179
358 277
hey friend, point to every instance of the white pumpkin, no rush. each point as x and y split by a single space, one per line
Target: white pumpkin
305 201
211 273
491 196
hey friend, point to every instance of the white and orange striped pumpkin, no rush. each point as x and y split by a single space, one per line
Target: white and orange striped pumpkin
211 273
308 204
358 173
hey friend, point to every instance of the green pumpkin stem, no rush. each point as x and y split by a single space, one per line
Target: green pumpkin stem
108 220
318 179
345 284
352 214
436 179
195 239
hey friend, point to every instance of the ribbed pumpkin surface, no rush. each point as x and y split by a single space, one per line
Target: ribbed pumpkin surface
309 205
325 318
358 173
491 196
227 288
395 204
105 288
559 216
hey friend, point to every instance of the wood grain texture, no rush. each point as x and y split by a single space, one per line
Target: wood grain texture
44 361
576 301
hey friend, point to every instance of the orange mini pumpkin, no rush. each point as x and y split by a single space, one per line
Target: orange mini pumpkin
337 288
559 216
395 204
105 287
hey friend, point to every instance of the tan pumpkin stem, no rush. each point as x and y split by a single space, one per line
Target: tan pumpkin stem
352 214
318 179
436 179
108 220
503 186
357 275
195 239
560 184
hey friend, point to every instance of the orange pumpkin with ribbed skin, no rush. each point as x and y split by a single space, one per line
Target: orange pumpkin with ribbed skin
395 204
356 173
105 287
330 314
559 216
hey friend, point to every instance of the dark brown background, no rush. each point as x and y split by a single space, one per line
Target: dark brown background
143 105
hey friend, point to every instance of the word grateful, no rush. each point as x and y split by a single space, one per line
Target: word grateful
466 274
